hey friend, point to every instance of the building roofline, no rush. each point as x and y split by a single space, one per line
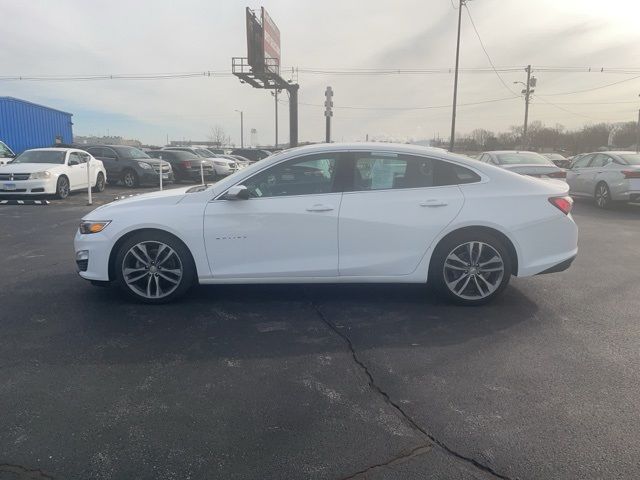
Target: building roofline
35 104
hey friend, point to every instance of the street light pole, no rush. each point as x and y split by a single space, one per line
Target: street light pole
455 81
241 128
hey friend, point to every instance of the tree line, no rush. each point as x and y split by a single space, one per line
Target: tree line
544 138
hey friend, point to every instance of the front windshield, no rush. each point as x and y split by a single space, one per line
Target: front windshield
204 153
41 156
631 158
131 153
555 156
522 158
4 151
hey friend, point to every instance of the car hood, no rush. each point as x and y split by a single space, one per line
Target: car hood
28 167
164 197
533 169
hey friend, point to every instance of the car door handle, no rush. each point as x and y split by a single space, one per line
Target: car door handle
319 208
433 203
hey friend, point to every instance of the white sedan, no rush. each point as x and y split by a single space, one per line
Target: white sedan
51 171
336 213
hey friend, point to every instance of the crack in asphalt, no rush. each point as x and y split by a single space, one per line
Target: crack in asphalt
398 459
24 473
374 387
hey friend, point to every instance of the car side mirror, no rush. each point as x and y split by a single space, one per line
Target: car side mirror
237 192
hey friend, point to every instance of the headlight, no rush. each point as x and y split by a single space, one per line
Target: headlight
39 175
93 227
144 165
221 164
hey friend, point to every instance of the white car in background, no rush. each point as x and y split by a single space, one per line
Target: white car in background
222 166
6 154
524 163
336 213
51 171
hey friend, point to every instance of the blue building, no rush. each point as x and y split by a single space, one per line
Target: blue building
25 125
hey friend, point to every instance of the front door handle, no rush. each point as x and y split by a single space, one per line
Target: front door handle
433 203
319 208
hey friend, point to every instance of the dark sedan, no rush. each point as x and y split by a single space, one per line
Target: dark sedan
186 165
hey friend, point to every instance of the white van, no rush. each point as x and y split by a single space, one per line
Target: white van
6 154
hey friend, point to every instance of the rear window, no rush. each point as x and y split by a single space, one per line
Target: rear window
522 158
631 158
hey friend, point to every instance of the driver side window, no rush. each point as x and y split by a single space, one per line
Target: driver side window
308 175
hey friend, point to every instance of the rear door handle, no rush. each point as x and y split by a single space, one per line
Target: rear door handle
433 203
319 208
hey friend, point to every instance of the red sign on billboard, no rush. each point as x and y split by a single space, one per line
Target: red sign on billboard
271 42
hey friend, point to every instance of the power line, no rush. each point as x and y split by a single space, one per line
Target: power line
487 53
590 89
428 107
565 109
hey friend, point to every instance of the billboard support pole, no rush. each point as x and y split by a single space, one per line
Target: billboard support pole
293 114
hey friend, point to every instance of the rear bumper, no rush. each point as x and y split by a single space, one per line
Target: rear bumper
560 267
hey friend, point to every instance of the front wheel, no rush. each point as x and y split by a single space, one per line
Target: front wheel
62 188
130 179
99 186
603 196
470 268
154 267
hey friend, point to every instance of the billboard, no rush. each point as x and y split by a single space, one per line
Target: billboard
270 42
263 42
255 44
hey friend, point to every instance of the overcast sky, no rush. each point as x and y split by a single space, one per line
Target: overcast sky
142 36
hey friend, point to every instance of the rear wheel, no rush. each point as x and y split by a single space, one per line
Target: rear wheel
62 187
602 195
154 267
470 268
130 179
99 187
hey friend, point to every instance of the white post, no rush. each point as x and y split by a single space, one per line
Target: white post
89 162
202 171
161 174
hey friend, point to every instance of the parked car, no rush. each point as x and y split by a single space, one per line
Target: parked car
253 154
130 165
240 161
6 154
216 151
558 160
186 166
524 163
606 177
51 171
336 213
222 166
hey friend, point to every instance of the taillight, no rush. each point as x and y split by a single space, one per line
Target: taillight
631 173
564 204
186 164
558 174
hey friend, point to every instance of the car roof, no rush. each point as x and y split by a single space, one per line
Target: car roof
55 149
512 151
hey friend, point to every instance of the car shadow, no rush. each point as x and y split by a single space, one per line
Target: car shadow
73 322
617 211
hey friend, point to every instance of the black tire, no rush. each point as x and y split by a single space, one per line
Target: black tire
62 188
602 196
490 283
100 183
130 179
134 289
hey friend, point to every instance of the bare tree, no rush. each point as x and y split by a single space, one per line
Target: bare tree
218 136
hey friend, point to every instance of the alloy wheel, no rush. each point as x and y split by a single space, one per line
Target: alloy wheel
602 196
63 188
473 270
129 180
152 269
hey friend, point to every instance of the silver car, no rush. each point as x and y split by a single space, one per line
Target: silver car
524 163
606 177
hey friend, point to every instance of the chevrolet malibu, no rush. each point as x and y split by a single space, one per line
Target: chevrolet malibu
336 213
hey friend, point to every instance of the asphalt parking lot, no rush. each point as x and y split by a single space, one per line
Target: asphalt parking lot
322 382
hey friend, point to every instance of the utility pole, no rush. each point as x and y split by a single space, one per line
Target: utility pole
328 112
638 134
241 128
455 81
527 92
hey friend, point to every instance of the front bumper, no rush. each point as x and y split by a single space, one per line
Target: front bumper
153 178
92 256
29 187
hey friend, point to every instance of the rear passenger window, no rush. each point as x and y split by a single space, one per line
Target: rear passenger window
390 171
